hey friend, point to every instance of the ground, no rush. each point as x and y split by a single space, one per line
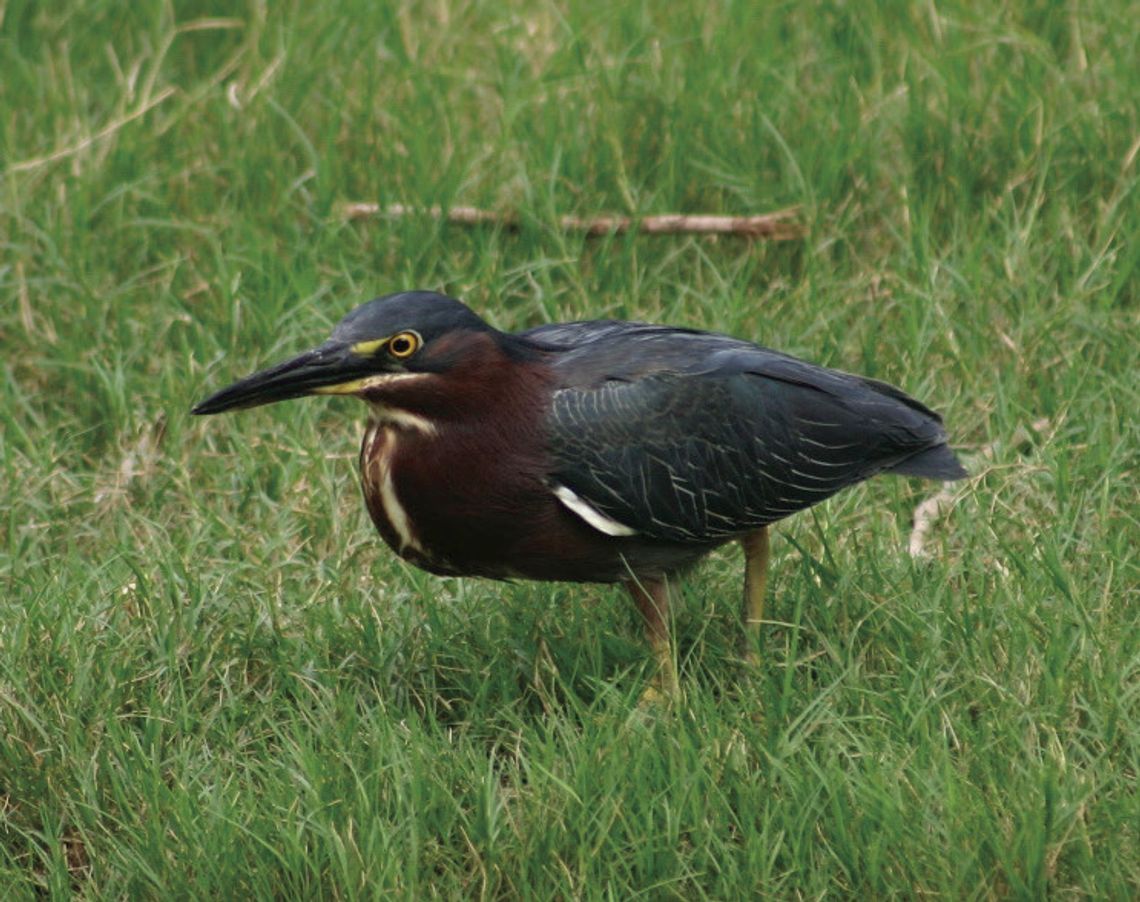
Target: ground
216 681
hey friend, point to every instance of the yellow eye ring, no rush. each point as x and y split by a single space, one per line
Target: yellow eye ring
404 344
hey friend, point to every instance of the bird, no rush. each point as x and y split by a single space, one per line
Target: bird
597 451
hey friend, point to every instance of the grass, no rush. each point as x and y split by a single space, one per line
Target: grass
214 679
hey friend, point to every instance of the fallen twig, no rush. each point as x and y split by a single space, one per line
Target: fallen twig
780 225
935 506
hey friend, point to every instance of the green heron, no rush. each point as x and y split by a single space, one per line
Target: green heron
596 451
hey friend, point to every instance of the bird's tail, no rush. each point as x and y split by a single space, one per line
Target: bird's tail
938 462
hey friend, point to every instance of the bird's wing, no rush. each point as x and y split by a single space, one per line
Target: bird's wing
745 437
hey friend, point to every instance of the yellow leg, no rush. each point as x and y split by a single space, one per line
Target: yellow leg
755 546
652 597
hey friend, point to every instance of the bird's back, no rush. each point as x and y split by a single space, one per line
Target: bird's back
690 436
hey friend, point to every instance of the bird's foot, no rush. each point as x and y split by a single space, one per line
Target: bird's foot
664 689
653 697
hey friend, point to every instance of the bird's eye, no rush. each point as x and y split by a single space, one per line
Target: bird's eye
404 344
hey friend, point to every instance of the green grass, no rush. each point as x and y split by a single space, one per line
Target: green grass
215 681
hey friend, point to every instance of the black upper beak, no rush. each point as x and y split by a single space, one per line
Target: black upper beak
330 364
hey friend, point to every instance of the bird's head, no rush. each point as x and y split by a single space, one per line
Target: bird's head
404 344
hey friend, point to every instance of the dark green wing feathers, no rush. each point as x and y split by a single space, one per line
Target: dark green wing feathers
690 436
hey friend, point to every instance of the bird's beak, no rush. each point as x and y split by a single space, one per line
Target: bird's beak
332 368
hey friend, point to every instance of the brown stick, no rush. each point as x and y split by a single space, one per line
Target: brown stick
780 225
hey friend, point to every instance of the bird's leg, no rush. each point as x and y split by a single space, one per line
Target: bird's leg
652 597
755 546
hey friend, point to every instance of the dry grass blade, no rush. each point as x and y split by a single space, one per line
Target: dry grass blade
935 506
100 135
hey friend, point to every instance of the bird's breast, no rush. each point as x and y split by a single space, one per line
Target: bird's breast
459 505
377 460
450 503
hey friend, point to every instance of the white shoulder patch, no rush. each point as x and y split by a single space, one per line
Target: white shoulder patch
590 514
